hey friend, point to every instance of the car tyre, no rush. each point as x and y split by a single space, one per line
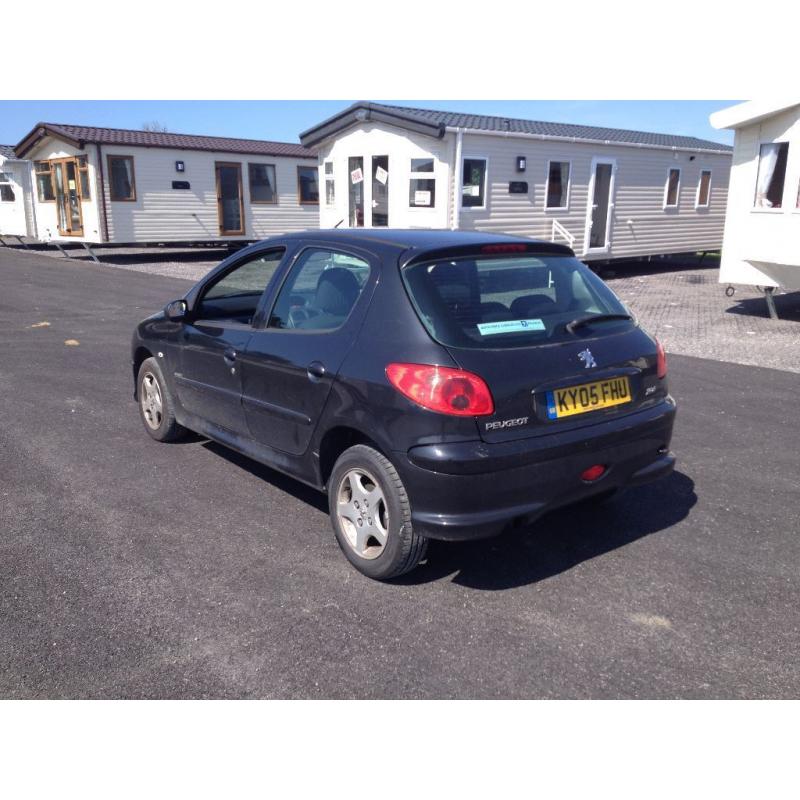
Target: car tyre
156 404
371 515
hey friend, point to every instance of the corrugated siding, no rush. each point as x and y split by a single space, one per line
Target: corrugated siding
639 224
161 213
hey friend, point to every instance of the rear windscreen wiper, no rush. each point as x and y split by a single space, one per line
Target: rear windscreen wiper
581 321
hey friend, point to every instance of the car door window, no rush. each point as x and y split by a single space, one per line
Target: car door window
320 291
235 296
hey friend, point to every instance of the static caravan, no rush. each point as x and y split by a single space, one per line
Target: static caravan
607 193
762 226
16 210
111 186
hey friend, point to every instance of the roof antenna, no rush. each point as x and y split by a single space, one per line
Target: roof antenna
339 223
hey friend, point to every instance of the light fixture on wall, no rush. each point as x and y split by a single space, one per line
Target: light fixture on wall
522 163
180 166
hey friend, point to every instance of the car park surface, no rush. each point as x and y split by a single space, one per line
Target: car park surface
130 572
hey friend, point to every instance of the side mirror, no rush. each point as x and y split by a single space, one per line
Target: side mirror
175 310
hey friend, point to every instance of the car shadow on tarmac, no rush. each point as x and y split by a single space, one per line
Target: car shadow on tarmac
560 540
304 493
554 544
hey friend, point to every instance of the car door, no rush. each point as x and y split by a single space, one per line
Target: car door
215 334
289 364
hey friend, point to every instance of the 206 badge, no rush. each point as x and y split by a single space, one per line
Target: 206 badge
587 358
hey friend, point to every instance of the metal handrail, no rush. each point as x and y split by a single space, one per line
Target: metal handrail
560 230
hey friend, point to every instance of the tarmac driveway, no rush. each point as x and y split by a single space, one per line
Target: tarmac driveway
134 569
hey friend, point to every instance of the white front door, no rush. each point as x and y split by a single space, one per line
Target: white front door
600 212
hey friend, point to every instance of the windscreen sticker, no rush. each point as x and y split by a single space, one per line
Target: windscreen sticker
510 326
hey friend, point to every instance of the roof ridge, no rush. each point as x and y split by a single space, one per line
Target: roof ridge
548 122
64 125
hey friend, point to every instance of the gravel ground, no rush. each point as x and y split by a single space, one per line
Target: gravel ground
676 299
688 310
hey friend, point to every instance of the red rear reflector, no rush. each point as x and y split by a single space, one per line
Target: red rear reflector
661 369
442 389
593 473
504 248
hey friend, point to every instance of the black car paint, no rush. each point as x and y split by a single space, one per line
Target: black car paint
294 400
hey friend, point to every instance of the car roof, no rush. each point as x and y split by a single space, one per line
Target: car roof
417 239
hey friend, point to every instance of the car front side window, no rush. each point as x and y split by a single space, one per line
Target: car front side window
235 296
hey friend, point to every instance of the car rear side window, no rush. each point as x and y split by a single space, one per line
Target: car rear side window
514 301
320 291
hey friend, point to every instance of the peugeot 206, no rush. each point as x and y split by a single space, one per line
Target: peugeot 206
435 384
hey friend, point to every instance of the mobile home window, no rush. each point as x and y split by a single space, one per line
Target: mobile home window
558 184
330 188
6 190
672 188
704 189
473 183
422 184
83 177
262 183
121 181
44 181
771 174
307 185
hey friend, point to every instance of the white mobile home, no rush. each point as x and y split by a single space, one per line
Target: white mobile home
608 193
762 226
16 212
106 185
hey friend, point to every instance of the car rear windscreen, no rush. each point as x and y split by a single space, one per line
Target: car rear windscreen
513 301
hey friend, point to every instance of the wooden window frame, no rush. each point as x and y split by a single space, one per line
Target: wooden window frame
109 158
300 200
81 172
697 203
273 202
242 231
49 171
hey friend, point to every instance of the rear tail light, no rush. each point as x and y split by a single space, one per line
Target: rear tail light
662 360
442 389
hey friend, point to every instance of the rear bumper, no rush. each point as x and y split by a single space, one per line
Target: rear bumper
469 490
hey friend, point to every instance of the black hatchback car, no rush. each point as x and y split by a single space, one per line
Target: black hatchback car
435 384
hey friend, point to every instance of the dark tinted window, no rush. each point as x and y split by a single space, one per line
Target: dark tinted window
508 302
235 296
307 185
474 183
320 291
262 183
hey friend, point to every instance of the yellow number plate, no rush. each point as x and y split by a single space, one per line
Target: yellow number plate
587 397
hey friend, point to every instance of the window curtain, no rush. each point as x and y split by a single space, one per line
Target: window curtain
767 161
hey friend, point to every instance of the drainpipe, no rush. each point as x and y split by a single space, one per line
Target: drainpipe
33 188
101 192
456 181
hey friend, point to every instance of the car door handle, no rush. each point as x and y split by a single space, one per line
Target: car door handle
315 370
229 356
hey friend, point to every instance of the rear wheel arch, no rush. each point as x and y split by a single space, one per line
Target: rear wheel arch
335 441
